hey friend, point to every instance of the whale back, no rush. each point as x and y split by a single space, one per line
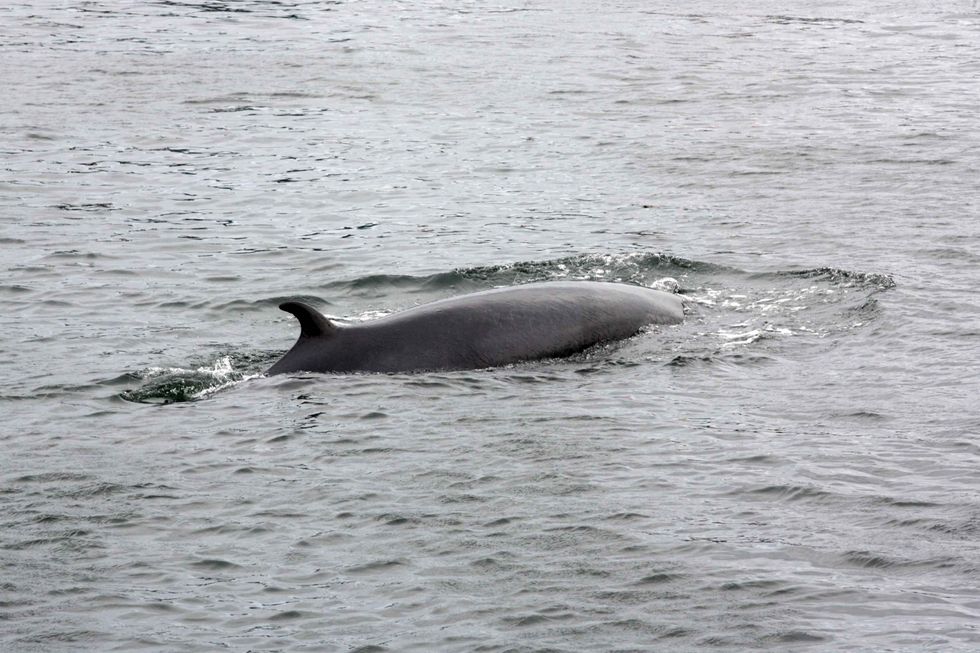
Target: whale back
484 329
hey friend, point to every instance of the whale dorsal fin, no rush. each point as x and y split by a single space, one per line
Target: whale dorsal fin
311 323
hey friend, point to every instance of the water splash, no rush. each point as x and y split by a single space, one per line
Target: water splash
167 385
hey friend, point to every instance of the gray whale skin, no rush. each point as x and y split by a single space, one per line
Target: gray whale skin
483 329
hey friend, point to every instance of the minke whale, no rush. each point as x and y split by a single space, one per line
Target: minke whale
483 329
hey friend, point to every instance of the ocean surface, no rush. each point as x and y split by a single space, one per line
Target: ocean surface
796 467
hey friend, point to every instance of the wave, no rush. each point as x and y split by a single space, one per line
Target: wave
639 268
843 277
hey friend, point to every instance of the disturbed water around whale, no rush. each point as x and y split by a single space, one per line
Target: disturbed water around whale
793 467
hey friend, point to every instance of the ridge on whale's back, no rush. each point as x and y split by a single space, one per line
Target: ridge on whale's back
550 295
485 329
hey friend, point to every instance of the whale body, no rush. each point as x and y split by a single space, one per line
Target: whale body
478 330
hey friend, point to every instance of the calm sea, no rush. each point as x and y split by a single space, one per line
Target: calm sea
796 467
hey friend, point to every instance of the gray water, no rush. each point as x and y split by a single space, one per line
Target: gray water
793 468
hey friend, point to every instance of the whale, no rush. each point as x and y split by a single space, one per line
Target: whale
491 328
